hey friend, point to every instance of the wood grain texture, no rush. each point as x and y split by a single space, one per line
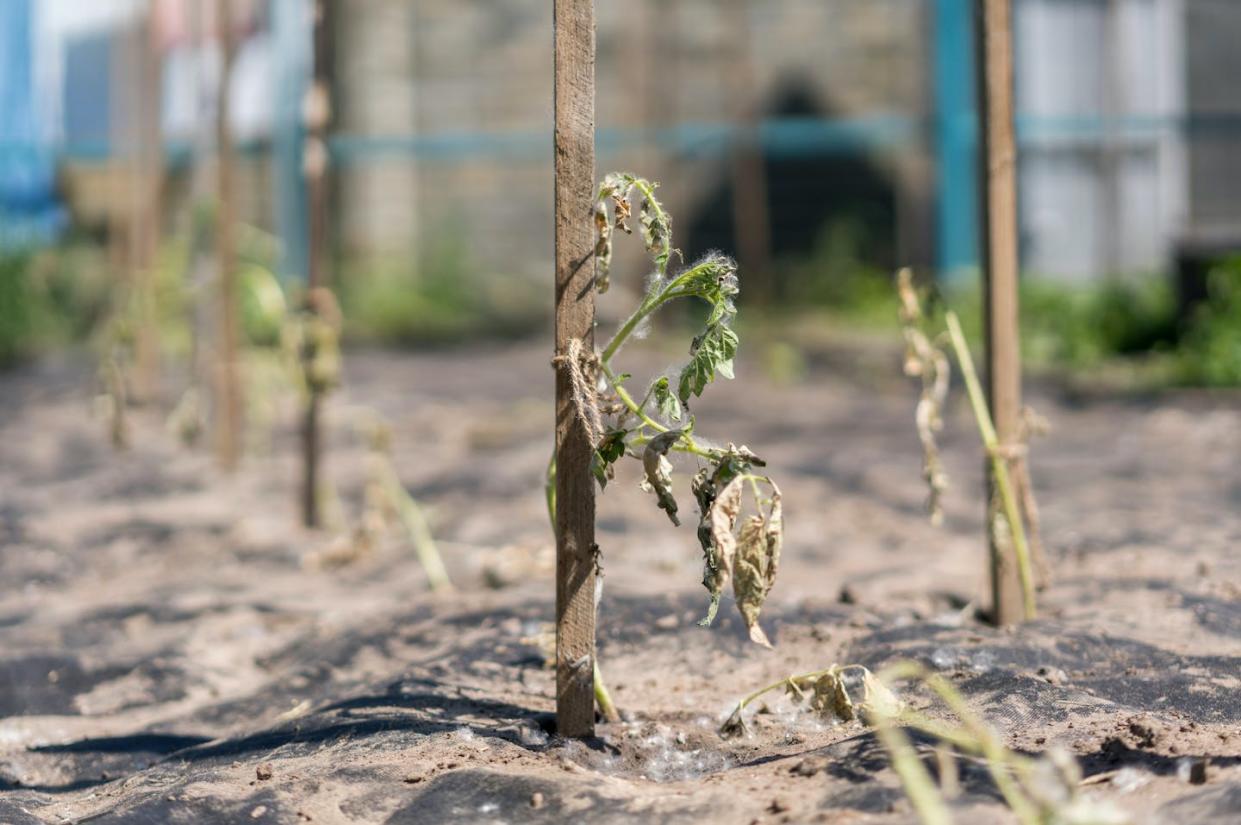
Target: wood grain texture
998 179
574 23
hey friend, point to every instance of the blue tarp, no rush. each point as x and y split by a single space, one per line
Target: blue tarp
30 213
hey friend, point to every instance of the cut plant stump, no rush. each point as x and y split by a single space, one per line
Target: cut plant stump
574 45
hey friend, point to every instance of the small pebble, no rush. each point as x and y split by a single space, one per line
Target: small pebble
259 811
1192 770
536 799
264 771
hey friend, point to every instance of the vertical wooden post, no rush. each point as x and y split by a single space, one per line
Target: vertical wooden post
998 159
316 110
751 217
149 184
228 402
574 22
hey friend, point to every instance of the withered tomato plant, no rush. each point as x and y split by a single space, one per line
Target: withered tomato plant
740 519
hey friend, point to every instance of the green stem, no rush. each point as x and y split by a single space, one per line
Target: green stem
650 303
999 465
919 787
603 698
685 445
977 737
549 489
416 528
791 680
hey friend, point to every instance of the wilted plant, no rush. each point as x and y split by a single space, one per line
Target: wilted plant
387 500
925 358
112 402
1041 790
741 549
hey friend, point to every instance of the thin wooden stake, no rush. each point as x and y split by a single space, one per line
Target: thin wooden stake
574 22
998 179
149 184
751 217
317 110
228 402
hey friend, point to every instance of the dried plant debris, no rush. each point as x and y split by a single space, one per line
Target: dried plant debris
757 562
618 189
740 515
841 693
1038 790
926 360
659 471
1012 507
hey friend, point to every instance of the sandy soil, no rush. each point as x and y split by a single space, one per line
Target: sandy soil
170 653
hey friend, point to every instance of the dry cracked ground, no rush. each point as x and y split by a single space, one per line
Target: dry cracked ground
174 649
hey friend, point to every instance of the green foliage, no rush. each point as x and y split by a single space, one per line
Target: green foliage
1211 354
264 309
837 277
711 353
442 298
18 305
50 298
1081 327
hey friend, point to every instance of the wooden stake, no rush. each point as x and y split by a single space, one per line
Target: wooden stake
751 217
317 112
998 180
228 403
574 22
149 183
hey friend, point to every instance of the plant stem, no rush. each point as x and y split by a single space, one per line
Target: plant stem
416 528
686 444
919 787
791 680
549 490
999 464
604 699
977 737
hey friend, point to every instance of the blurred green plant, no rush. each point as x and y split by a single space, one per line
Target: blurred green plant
442 297
837 277
49 298
1210 354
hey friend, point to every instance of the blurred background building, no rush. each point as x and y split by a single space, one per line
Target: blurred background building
780 129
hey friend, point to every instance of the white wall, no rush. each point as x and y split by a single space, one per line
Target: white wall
1100 96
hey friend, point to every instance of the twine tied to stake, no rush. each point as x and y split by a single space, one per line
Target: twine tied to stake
581 368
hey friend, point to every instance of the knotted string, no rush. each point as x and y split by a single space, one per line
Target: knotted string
581 368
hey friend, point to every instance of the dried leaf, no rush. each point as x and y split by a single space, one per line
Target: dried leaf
620 201
603 247
775 535
750 575
877 698
758 560
842 705
721 547
659 471
926 361
735 725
